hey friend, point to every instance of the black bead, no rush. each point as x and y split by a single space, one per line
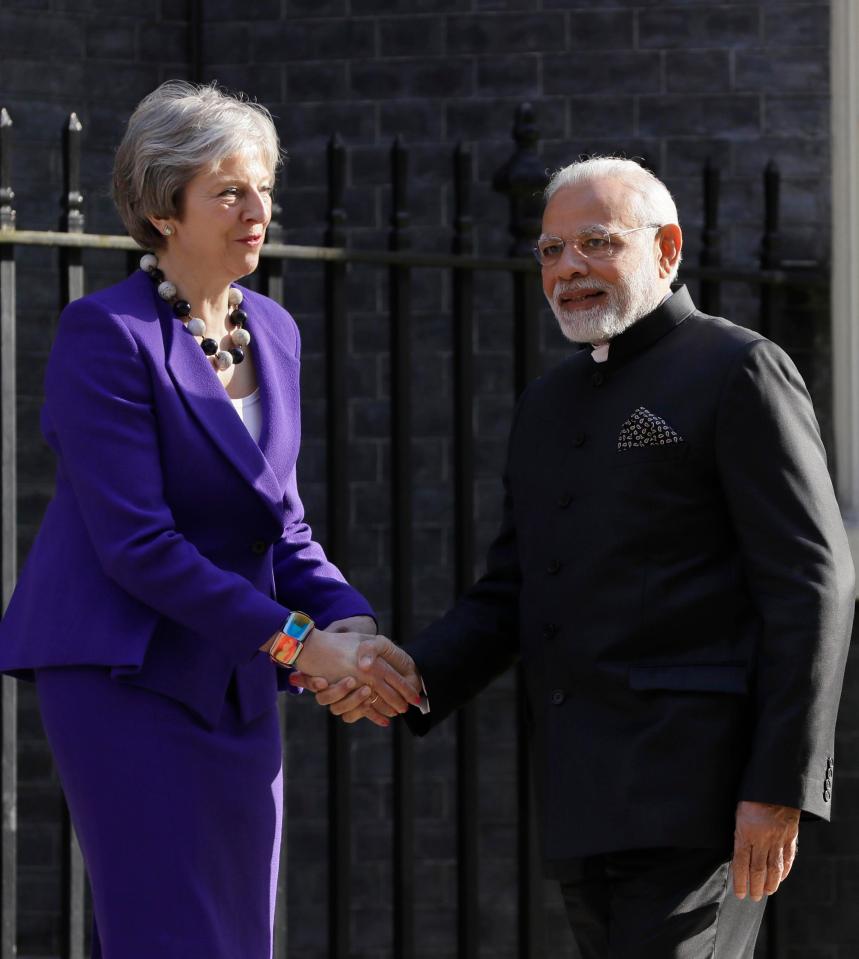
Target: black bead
181 308
210 347
157 275
238 317
237 354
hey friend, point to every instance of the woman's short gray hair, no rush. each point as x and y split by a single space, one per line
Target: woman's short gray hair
174 133
652 200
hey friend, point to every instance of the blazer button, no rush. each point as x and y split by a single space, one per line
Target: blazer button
565 499
554 566
259 546
549 630
827 795
579 438
598 378
558 696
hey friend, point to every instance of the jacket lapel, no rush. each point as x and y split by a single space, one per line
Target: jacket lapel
197 383
277 372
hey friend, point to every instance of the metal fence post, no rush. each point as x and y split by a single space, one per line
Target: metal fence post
523 179
272 267
468 918
337 480
72 288
8 552
72 218
401 552
711 254
770 243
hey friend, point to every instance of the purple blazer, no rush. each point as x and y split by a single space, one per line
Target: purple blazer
174 545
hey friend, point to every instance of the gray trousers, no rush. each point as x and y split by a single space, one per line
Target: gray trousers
659 904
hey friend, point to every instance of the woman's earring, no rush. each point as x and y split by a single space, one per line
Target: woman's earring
168 230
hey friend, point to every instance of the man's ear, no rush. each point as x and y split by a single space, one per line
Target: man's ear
670 245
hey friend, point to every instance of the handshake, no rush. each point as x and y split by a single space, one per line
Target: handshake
357 673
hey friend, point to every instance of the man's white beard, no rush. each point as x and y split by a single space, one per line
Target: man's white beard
633 296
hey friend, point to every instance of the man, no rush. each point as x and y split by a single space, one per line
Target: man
673 572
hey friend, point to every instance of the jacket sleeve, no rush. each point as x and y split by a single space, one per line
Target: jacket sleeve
99 415
478 639
305 578
800 573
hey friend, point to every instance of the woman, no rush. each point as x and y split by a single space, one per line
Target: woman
174 556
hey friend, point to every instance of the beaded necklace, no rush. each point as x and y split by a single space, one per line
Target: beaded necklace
222 359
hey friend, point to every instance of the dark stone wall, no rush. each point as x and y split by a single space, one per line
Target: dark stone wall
674 82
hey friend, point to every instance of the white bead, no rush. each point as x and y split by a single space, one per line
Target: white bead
148 262
196 327
166 290
234 297
223 360
240 336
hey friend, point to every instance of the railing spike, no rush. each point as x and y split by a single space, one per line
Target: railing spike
771 241
711 240
72 219
463 223
334 234
399 238
7 194
522 179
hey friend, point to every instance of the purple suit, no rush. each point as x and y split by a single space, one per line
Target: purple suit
174 545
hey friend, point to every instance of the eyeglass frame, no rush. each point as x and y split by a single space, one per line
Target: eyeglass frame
539 258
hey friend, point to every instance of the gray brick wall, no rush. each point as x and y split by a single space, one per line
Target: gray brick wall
673 81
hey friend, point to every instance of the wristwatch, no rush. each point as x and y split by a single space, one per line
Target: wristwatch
286 649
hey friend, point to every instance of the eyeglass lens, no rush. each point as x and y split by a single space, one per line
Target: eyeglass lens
593 244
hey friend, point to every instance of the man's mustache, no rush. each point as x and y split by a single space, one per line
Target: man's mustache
570 286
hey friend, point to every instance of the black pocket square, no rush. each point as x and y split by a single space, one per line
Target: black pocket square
643 428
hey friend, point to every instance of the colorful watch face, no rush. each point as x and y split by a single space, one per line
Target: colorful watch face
298 625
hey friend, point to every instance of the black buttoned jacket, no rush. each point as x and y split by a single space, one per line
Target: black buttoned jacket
680 593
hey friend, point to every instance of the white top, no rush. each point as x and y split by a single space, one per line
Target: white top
250 413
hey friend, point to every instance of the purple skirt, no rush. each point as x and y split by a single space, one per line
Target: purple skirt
179 823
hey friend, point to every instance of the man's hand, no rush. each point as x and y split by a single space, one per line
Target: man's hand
764 848
376 657
341 658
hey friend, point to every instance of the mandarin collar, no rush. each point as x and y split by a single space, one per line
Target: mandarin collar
650 328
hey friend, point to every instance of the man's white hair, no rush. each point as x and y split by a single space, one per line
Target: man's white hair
651 199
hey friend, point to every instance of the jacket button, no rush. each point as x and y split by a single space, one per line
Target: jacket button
565 499
553 566
598 378
827 795
259 546
549 630
558 696
579 438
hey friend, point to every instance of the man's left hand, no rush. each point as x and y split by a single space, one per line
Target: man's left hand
764 848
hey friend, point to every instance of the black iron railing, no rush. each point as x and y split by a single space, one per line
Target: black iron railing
521 180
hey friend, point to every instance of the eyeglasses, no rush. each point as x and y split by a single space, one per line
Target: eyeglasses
595 243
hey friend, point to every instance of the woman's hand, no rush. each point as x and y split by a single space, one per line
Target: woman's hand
354 624
385 674
351 703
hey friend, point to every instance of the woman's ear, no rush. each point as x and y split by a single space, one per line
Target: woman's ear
164 227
